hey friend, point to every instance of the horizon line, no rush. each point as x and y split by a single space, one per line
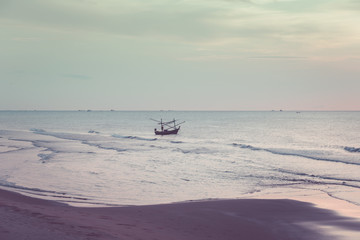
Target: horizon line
160 110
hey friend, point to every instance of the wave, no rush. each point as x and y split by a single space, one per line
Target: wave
201 150
292 153
15 149
45 157
134 137
93 131
98 145
340 181
46 194
37 130
352 149
86 139
14 186
38 191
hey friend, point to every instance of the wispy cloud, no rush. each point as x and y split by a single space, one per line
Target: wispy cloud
209 58
279 57
53 46
275 28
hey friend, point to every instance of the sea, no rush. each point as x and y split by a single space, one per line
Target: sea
113 158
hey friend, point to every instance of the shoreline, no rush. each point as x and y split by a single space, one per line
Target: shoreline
24 217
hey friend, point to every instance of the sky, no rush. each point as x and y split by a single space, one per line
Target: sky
180 55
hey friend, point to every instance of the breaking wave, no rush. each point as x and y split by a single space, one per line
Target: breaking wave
352 149
332 180
134 137
295 153
44 193
101 146
201 150
90 140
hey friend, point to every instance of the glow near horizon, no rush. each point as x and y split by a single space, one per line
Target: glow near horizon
180 55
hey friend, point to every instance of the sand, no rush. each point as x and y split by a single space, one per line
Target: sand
23 217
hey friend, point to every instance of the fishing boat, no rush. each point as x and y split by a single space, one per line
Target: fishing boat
167 128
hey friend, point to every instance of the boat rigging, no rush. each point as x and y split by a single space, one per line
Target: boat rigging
167 128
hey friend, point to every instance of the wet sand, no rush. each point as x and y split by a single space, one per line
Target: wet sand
23 217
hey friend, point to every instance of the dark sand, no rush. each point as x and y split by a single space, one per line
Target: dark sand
23 217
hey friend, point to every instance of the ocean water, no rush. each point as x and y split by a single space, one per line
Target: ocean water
114 158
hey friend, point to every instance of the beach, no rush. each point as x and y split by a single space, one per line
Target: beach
23 217
240 175
180 120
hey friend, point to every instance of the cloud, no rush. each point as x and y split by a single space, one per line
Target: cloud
264 27
209 58
113 17
279 57
348 5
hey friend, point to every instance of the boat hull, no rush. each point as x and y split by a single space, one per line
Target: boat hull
167 132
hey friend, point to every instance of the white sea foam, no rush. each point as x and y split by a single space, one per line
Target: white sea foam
311 154
215 155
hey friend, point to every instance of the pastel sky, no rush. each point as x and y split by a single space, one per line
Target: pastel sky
180 54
